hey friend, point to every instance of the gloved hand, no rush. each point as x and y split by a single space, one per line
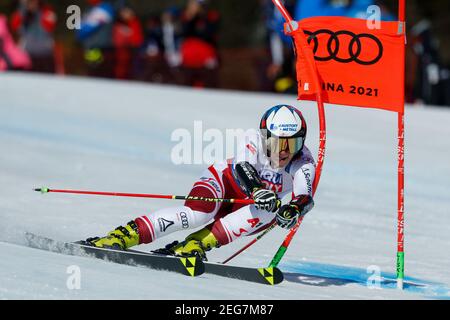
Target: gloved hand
266 200
287 216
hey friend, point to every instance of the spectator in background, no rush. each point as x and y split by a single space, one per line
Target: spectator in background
34 22
171 37
198 49
153 36
151 57
431 83
95 35
127 39
162 57
348 8
275 70
358 9
308 8
11 56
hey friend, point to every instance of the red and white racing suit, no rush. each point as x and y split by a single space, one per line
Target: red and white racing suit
228 221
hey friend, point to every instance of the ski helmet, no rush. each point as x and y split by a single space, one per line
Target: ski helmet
283 128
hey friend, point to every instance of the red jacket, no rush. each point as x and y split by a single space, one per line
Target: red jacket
48 19
126 35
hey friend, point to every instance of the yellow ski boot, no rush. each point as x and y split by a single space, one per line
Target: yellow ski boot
196 244
120 238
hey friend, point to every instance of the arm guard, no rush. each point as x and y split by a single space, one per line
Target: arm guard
304 203
247 177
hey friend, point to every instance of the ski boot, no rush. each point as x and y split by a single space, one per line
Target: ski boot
196 244
120 238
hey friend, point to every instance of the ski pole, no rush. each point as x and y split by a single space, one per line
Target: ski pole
269 228
284 246
144 195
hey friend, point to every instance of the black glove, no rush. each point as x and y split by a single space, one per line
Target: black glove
289 214
266 200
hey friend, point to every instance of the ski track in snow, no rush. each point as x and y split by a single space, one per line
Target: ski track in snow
116 136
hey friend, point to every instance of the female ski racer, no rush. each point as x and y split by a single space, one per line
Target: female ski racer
271 163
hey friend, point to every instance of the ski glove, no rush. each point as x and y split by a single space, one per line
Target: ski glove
289 214
266 200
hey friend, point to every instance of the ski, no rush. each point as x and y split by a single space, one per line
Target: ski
270 275
191 266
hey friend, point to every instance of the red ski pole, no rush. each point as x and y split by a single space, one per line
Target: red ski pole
145 195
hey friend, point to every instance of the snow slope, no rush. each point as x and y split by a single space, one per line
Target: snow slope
110 136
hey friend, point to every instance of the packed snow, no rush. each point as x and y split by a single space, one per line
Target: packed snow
77 133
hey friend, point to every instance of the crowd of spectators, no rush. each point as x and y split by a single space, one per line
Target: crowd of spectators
180 45
177 46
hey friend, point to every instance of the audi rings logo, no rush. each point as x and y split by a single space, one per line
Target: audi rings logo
356 50
184 220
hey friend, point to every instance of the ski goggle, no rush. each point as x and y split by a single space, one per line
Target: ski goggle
291 145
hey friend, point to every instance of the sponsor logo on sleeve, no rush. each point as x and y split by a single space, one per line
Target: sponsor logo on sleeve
307 175
164 224
184 220
211 182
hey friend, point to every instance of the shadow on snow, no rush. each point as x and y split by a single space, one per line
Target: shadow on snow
326 275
